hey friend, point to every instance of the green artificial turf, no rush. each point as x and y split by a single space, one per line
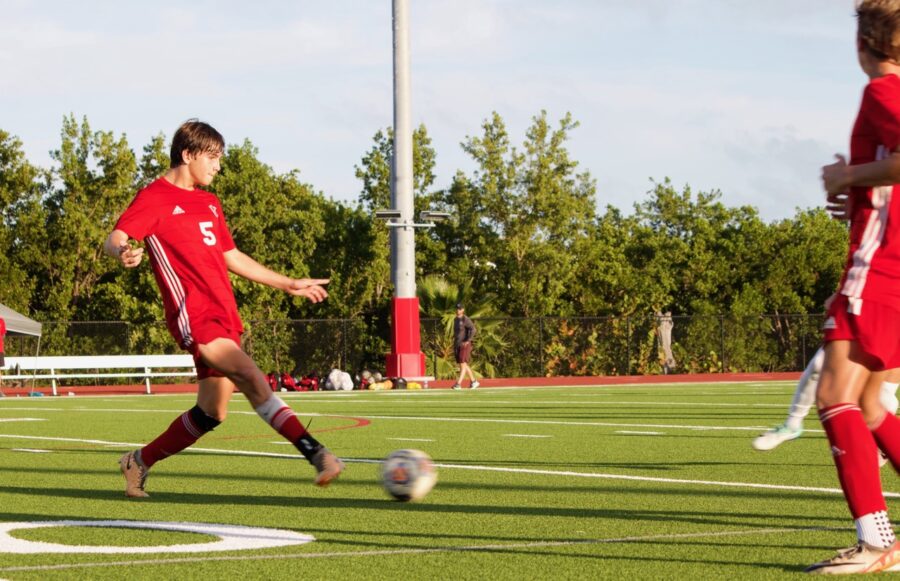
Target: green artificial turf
568 483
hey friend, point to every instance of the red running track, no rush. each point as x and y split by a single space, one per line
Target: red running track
443 384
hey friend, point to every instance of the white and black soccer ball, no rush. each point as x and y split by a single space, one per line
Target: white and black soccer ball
408 475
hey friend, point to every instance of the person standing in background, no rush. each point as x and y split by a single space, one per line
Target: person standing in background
463 333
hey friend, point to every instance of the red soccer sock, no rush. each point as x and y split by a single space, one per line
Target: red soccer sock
855 456
282 419
887 434
184 431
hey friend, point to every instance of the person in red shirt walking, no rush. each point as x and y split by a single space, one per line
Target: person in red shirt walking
192 252
862 328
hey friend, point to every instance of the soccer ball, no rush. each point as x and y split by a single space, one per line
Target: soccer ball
408 474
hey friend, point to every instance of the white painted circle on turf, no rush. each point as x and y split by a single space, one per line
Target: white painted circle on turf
231 537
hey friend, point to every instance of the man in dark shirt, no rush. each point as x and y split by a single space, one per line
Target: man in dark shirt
463 332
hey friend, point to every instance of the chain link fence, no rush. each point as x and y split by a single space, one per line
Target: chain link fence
504 347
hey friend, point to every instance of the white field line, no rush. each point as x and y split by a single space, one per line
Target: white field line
412 439
473 420
526 436
555 423
23 419
475 467
421 551
640 433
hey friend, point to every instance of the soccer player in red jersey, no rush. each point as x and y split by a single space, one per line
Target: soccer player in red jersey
191 252
862 330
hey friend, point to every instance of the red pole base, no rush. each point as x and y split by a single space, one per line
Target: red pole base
406 358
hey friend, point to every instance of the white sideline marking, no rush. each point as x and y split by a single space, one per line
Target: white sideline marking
643 433
23 419
481 468
411 439
556 423
478 420
33 450
424 551
525 436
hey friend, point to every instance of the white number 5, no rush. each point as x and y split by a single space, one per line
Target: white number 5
209 237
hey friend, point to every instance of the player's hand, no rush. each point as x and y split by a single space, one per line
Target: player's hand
129 256
311 288
834 176
838 205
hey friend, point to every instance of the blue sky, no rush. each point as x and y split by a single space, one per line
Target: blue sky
750 98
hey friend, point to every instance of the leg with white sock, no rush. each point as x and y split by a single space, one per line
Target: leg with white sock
804 398
846 382
228 358
889 390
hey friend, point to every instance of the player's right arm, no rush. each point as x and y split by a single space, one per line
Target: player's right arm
117 245
839 177
880 114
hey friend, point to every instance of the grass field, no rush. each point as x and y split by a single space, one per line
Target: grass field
572 483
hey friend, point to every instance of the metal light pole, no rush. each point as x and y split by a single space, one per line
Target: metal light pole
406 358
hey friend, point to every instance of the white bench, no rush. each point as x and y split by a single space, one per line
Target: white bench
139 366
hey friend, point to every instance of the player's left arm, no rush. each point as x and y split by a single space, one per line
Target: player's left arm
244 266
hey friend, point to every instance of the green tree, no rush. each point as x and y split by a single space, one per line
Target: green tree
94 179
519 216
19 208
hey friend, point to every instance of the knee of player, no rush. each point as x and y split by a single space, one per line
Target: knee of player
208 419
872 412
218 415
826 399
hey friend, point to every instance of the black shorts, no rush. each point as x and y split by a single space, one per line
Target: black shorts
463 352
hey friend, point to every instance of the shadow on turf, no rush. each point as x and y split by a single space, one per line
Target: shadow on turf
319 502
542 464
303 476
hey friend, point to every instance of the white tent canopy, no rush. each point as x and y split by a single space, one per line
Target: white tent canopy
19 324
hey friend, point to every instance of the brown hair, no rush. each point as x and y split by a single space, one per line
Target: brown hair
196 137
878 28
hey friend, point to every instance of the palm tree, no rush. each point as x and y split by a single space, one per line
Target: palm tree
437 300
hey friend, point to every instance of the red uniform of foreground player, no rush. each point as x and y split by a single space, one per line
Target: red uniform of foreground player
192 252
862 330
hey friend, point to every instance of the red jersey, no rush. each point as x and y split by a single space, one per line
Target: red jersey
2 333
873 263
186 237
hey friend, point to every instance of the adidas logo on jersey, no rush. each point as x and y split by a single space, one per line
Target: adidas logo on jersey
214 211
835 451
177 211
830 323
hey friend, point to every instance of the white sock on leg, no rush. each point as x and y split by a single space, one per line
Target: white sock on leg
875 529
805 396
888 396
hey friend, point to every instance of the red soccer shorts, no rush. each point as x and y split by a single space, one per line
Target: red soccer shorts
205 332
876 328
